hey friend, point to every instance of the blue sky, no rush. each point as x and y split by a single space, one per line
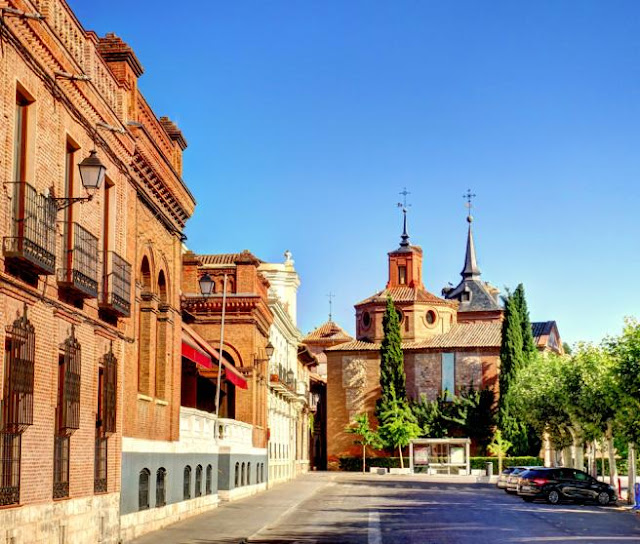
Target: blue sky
305 120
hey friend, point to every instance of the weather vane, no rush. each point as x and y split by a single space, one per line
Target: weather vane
404 204
330 297
469 196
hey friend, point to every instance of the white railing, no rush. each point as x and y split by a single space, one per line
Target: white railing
202 426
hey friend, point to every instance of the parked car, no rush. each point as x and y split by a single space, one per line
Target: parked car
512 480
502 479
558 484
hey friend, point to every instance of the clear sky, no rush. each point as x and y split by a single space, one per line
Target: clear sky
306 118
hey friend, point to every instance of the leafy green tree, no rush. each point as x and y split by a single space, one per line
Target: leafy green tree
392 375
368 437
566 348
511 356
499 447
626 351
398 425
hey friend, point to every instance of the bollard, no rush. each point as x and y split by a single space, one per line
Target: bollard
489 468
620 488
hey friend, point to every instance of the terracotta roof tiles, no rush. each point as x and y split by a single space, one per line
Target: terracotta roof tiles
482 334
407 294
328 331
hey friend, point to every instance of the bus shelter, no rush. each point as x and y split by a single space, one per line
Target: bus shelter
440 455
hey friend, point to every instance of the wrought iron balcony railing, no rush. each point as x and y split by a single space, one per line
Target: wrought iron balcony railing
80 272
33 233
116 287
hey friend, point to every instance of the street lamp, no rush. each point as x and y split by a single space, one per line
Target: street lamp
206 284
92 171
269 349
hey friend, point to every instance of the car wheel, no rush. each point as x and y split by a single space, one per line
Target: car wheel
603 498
527 499
553 497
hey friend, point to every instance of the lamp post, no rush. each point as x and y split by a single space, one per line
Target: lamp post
206 284
92 173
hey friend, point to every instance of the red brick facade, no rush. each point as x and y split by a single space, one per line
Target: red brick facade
137 214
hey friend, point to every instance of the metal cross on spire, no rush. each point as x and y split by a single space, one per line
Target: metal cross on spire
405 237
469 196
330 296
404 204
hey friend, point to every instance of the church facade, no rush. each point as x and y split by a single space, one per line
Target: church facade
450 342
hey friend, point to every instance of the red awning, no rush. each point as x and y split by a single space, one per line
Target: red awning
197 349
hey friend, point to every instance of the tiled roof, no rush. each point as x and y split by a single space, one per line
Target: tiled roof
229 258
480 334
406 294
541 328
328 331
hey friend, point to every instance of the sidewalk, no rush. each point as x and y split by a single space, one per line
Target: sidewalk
236 521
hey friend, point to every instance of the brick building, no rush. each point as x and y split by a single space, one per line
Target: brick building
243 404
89 287
448 343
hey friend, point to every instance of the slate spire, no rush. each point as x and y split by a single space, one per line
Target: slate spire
470 269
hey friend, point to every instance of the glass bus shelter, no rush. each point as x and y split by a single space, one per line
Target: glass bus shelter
440 455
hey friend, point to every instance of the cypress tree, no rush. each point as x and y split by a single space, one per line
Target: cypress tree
511 356
528 345
392 376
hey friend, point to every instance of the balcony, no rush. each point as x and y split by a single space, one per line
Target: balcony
32 243
283 381
80 274
198 426
116 289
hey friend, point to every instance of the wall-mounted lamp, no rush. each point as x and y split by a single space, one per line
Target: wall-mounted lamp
269 349
92 172
206 285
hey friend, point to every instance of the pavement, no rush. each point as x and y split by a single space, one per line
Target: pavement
351 508
236 522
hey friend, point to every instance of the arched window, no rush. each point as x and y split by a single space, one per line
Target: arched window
161 494
198 492
208 484
243 480
237 478
162 333
186 492
248 473
143 489
144 334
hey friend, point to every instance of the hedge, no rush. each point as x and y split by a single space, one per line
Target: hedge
354 464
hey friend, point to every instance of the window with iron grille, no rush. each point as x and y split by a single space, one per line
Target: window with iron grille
61 467
237 478
17 404
161 494
187 483
69 386
100 467
143 489
209 478
108 392
10 450
198 491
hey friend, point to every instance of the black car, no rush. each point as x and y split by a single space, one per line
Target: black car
558 484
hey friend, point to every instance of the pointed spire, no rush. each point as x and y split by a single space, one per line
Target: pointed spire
404 239
470 269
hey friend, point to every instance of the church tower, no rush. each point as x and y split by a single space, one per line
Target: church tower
422 314
478 299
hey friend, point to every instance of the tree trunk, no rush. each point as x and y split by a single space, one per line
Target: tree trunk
401 460
613 470
364 458
567 461
500 463
577 449
631 494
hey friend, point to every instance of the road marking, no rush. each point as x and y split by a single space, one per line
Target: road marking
375 536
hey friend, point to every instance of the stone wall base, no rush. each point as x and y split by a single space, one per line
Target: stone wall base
241 492
89 520
139 523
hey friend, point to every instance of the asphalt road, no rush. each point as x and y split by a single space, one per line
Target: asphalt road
367 509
